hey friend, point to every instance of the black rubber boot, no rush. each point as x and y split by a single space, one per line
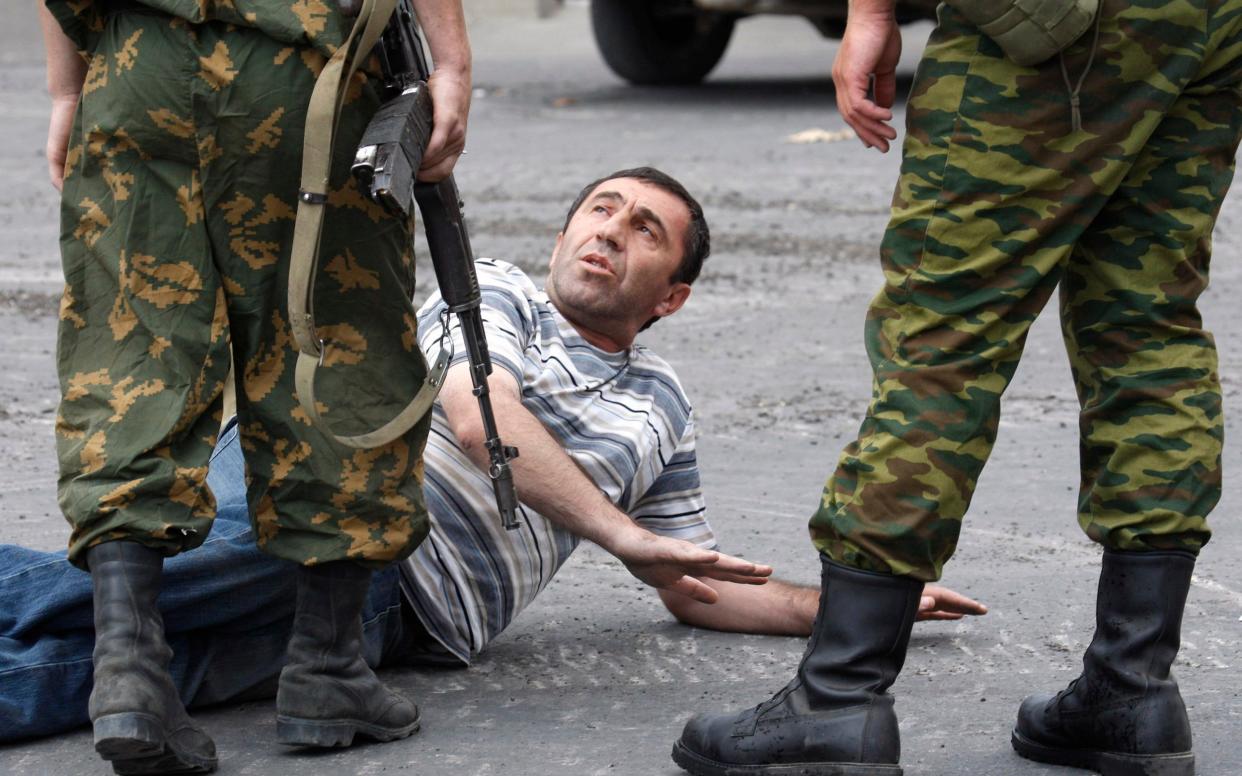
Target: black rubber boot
140 724
328 694
1123 716
834 718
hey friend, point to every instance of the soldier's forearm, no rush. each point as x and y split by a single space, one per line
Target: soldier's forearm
872 7
65 68
444 24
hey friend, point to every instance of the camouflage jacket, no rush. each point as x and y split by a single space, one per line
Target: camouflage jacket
304 22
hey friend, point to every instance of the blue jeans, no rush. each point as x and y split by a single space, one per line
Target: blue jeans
228 613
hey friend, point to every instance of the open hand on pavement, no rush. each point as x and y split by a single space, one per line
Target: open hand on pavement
675 565
941 603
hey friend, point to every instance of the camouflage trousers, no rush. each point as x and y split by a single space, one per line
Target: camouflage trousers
177 218
1001 200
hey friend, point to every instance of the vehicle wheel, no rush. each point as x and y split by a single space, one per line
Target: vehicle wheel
659 42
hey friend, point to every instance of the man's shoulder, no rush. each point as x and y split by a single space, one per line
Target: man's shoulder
499 272
502 285
505 284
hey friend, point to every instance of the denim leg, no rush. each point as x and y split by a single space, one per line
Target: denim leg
45 681
227 608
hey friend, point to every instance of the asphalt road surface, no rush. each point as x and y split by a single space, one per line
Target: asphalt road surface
596 678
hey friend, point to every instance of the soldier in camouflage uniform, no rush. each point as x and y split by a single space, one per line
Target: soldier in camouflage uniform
1100 170
178 127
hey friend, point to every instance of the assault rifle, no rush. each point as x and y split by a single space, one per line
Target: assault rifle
386 166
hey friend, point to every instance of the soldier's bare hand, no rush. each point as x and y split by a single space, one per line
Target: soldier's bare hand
866 60
450 103
58 130
941 603
675 565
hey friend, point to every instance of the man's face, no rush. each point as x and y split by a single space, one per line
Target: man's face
613 265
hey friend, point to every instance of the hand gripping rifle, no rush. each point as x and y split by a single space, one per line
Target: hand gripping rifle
386 166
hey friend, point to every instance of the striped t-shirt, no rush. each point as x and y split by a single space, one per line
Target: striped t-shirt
622 417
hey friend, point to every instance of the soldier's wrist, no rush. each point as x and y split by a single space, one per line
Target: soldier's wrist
877 9
455 70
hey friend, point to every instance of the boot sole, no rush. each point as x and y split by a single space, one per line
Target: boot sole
699 765
333 733
136 744
1107 763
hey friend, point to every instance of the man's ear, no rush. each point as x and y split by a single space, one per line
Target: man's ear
560 237
672 302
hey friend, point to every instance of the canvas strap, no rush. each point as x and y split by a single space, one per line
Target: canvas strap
322 114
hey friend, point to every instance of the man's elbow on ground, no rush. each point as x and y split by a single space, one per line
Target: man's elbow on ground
680 606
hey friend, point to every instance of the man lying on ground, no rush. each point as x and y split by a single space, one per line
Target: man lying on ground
607 454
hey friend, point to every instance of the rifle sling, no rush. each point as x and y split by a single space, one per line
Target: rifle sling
326 101
304 378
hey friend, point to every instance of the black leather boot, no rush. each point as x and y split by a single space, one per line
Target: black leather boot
140 723
328 694
1123 716
834 718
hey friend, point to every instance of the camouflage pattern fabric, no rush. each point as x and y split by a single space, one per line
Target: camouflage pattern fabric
177 217
315 23
998 202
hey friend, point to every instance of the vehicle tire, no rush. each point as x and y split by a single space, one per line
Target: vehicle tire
659 42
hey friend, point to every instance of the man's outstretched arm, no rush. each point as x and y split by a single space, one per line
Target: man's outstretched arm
781 609
548 480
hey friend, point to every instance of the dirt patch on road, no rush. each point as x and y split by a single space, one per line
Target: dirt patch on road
32 304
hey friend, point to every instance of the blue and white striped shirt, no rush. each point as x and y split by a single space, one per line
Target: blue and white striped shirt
622 417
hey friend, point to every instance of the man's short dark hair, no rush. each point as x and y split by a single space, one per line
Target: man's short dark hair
697 243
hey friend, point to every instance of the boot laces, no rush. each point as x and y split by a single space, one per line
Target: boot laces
776 699
1069 690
